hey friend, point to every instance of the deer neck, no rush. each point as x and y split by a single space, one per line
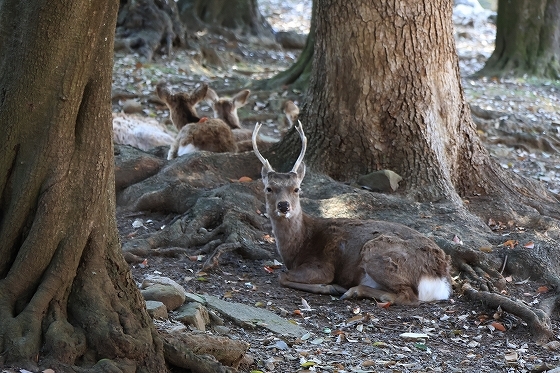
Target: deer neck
290 235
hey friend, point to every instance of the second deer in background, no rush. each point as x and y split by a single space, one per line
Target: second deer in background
195 133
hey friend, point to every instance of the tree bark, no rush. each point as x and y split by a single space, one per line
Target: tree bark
385 93
67 298
237 15
527 40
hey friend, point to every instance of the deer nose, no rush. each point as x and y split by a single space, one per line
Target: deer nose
283 206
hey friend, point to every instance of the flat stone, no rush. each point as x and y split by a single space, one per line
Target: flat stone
252 317
194 314
167 294
156 310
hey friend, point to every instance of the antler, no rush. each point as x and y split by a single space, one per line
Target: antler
264 161
299 128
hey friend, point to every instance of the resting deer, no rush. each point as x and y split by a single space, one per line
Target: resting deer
291 111
195 133
356 258
226 110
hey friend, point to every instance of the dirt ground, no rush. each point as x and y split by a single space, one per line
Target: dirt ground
359 335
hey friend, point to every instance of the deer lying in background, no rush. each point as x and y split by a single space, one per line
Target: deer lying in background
356 258
140 132
195 133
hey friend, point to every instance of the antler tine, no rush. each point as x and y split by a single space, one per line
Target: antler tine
299 128
264 161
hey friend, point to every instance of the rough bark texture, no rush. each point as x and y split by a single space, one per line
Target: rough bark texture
385 93
242 16
67 298
145 26
527 40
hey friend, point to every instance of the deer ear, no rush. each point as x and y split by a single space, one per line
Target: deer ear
200 93
264 174
211 96
301 171
240 99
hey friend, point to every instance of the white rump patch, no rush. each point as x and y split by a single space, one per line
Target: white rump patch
190 148
430 289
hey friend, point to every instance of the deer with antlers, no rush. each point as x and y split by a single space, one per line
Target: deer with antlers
353 258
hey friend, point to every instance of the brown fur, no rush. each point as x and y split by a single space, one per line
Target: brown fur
182 105
334 256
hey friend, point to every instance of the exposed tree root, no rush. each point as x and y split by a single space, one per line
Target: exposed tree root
537 320
213 226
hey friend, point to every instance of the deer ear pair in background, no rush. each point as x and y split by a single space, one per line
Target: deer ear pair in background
220 134
356 258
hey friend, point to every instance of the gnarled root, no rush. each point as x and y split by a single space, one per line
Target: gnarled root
537 320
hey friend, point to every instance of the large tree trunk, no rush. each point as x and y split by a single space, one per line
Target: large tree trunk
527 40
385 93
66 295
242 16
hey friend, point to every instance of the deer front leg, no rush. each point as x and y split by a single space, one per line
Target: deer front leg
313 279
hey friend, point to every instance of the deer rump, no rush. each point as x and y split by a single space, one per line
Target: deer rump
368 259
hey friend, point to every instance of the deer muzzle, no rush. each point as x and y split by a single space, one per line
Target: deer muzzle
283 207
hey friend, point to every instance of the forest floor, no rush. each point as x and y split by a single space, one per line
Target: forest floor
358 335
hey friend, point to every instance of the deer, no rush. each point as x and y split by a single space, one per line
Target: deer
386 261
195 133
291 111
226 109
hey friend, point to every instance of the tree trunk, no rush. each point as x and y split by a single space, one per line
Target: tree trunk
527 40
297 76
385 93
237 15
67 297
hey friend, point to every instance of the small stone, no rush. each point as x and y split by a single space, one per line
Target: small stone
132 106
553 345
167 294
156 310
194 314
222 330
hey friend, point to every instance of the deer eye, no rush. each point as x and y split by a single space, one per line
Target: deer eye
269 190
296 190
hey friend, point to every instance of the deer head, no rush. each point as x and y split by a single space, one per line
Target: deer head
226 108
182 105
282 189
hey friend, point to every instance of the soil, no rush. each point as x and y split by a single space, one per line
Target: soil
519 123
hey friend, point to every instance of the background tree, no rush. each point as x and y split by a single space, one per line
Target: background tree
66 295
527 40
241 16
385 93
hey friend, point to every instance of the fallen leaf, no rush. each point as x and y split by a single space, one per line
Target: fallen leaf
414 335
384 304
457 240
509 279
380 344
542 289
511 357
305 305
529 245
298 312
498 326
245 179
510 244
486 249
268 269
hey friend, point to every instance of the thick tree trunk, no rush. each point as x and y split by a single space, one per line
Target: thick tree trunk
66 295
385 93
238 15
527 40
